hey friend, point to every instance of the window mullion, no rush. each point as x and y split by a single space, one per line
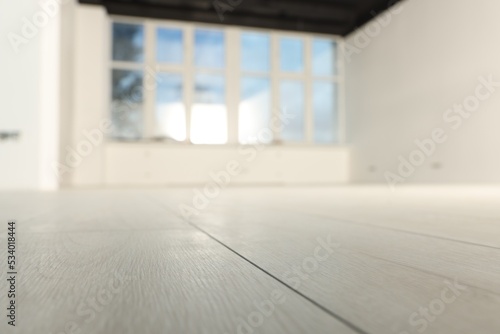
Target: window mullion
340 102
275 84
232 75
150 76
188 75
308 98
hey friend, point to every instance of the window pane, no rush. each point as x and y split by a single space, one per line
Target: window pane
254 111
209 48
255 52
209 115
324 57
128 42
169 45
291 55
292 104
325 112
126 109
170 109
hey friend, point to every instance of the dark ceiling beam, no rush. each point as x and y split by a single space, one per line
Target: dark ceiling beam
371 12
303 9
92 2
238 17
339 17
310 4
292 8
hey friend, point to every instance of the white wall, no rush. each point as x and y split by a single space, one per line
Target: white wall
29 93
399 86
67 57
111 163
90 89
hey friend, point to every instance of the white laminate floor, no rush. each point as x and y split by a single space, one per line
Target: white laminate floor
255 260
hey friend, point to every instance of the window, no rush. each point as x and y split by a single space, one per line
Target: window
209 48
291 54
127 80
170 117
202 84
255 55
169 47
292 102
324 57
325 119
209 112
254 109
128 42
324 91
208 115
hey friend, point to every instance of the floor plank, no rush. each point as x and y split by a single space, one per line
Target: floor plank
391 272
394 255
152 274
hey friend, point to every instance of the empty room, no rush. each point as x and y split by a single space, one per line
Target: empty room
250 167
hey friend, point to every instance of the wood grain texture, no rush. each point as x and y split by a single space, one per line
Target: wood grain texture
105 262
163 273
380 275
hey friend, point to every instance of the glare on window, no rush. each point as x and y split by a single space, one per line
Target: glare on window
254 111
209 114
170 110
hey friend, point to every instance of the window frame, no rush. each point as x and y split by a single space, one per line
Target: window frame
232 73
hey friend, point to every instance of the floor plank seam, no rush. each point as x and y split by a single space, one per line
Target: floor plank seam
345 221
346 322
429 273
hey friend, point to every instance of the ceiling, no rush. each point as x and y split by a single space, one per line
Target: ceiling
339 17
